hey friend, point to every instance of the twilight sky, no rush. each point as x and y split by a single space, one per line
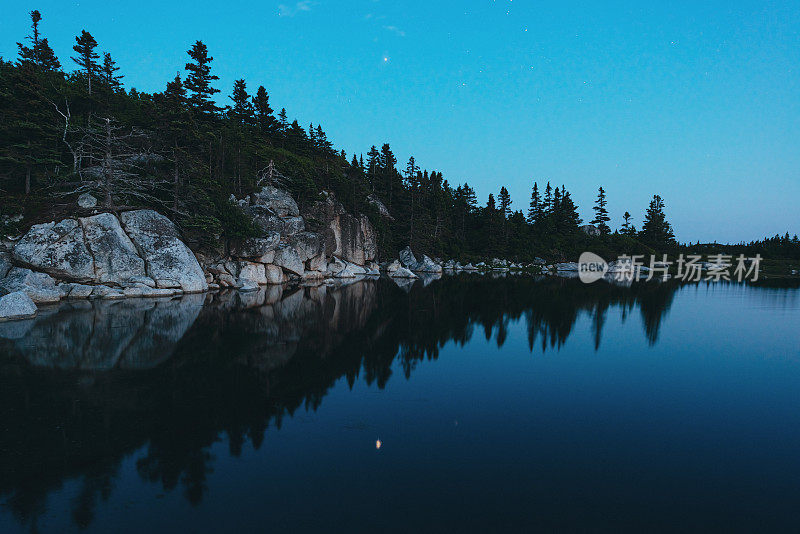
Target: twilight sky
699 102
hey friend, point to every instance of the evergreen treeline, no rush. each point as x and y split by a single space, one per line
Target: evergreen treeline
67 131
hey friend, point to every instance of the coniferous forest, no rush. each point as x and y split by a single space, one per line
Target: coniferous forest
76 124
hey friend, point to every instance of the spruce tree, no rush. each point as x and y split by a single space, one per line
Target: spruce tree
283 121
108 71
264 118
198 81
627 228
87 58
547 206
601 217
656 230
505 202
535 208
242 111
39 53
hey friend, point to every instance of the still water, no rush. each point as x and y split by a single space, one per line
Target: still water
465 403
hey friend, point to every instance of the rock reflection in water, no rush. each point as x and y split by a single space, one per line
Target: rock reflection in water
86 384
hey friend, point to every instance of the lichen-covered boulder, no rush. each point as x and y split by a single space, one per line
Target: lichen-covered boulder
310 247
5 263
408 259
346 236
252 272
427 265
40 287
274 274
288 259
340 268
165 255
115 257
402 272
16 305
255 248
58 249
276 200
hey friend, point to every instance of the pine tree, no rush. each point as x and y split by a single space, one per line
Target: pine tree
411 169
39 54
656 230
491 207
570 220
535 208
556 202
601 217
323 144
108 71
505 202
283 121
627 228
264 118
388 171
312 135
242 111
87 58
198 81
373 166
547 206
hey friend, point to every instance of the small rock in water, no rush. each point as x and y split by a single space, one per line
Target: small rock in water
15 306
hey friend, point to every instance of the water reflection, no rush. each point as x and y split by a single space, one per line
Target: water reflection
89 383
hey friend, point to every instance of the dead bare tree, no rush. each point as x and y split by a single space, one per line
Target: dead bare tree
114 163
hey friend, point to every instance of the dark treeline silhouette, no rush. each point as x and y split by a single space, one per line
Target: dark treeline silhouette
65 132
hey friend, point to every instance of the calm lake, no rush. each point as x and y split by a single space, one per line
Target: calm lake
465 403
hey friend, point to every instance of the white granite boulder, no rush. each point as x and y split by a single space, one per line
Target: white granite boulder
58 249
165 255
16 305
288 259
40 287
115 257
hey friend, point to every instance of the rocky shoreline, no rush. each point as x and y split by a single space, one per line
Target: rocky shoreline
141 253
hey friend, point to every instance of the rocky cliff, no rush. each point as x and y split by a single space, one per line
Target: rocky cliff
141 253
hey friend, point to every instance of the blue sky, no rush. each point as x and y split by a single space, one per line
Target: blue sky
699 103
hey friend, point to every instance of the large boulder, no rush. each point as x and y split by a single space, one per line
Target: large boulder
284 226
116 260
252 272
255 248
40 287
288 259
310 246
393 267
59 249
16 305
340 268
408 259
166 256
401 272
274 274
5 263
346 236
427 265
275 200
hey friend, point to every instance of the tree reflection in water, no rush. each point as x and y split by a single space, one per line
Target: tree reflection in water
92 382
